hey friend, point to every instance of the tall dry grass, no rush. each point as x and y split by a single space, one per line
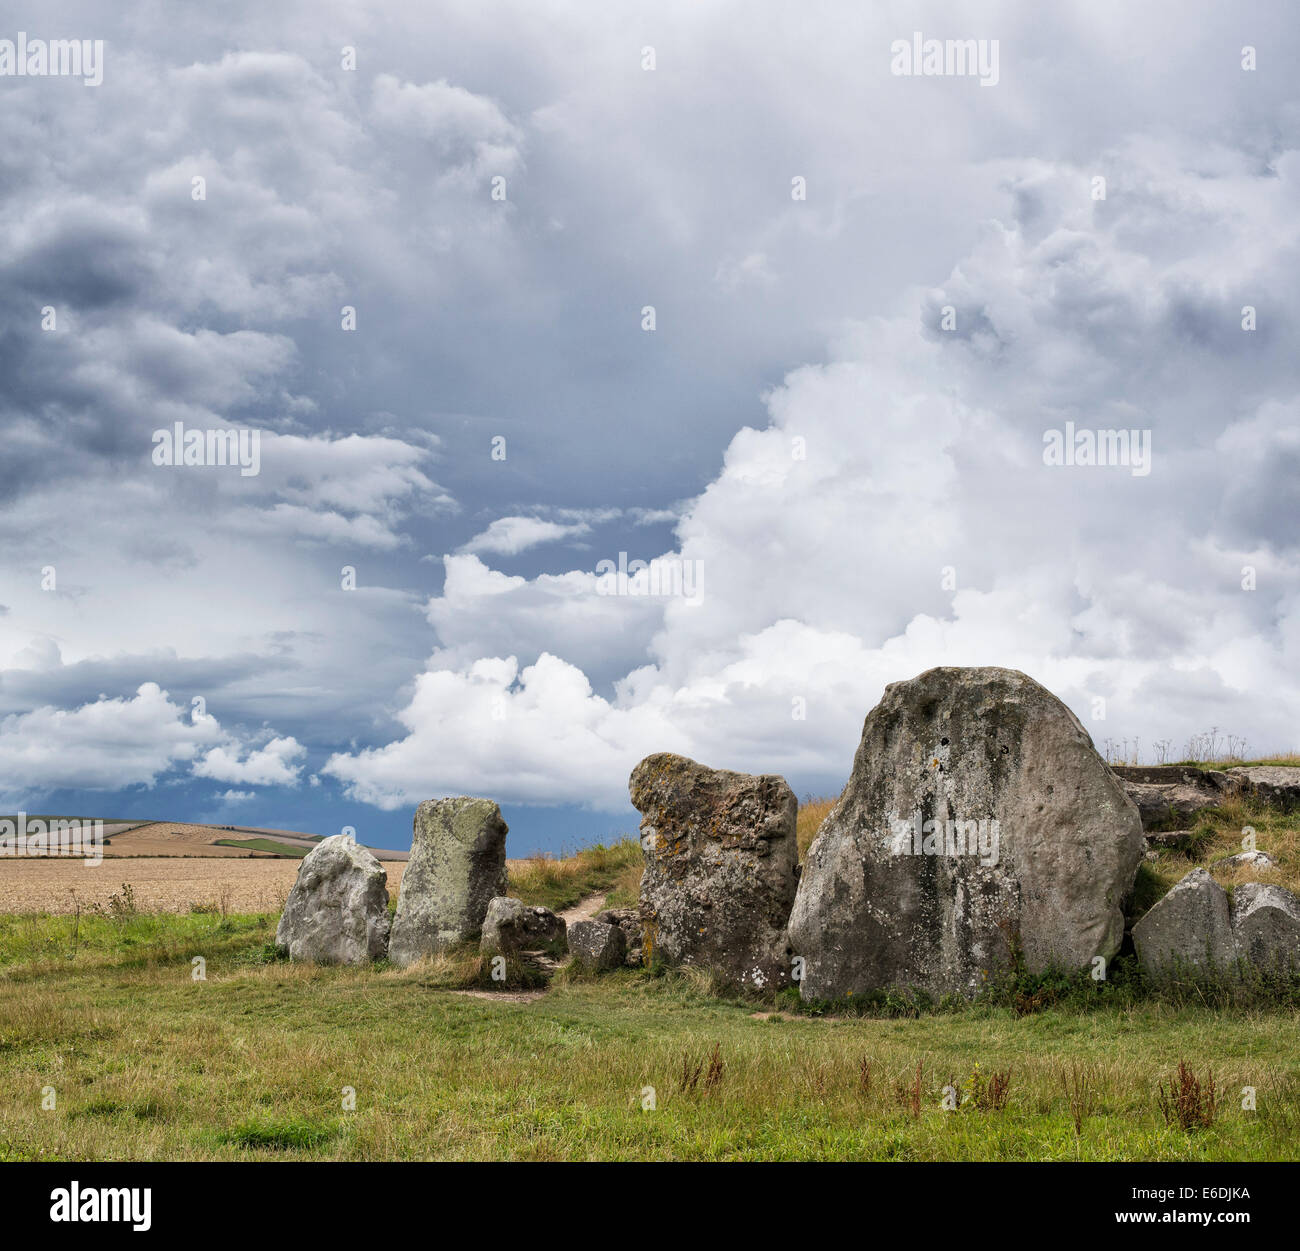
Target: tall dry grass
812 812
1217 833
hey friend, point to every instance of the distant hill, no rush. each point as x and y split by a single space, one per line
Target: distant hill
177 838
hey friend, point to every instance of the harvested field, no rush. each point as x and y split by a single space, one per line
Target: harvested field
172 883
176 866
171 838
183 838
161 884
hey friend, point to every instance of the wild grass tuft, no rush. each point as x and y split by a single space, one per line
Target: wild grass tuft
559 882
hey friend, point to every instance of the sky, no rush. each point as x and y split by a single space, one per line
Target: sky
515 296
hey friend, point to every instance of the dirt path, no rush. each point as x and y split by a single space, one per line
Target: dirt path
585 909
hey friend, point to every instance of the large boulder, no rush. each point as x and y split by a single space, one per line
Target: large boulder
721 865
457 867
1190 929
1266 924
512 925
337 911
979 823
597 945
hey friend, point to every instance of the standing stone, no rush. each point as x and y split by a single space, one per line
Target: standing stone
979 821
596 945
512 925
457 866
1190 928
720 868
337 911
1266 923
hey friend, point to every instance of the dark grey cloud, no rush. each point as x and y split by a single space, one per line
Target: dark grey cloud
521 318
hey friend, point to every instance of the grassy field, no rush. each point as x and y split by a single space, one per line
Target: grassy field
264 844
253 1062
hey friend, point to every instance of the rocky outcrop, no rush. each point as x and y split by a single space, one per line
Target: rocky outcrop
1172 840
1166 794
1256 861
1174 775
1276 785
720 868
629 921
457 867
1190 929
337 911
1266 926
510 925
596 945
979 823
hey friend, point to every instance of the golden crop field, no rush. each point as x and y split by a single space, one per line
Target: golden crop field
159 883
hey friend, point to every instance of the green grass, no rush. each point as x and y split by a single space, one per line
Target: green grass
33 945
252 1063
287 1134
559 883
1217 833
264 844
